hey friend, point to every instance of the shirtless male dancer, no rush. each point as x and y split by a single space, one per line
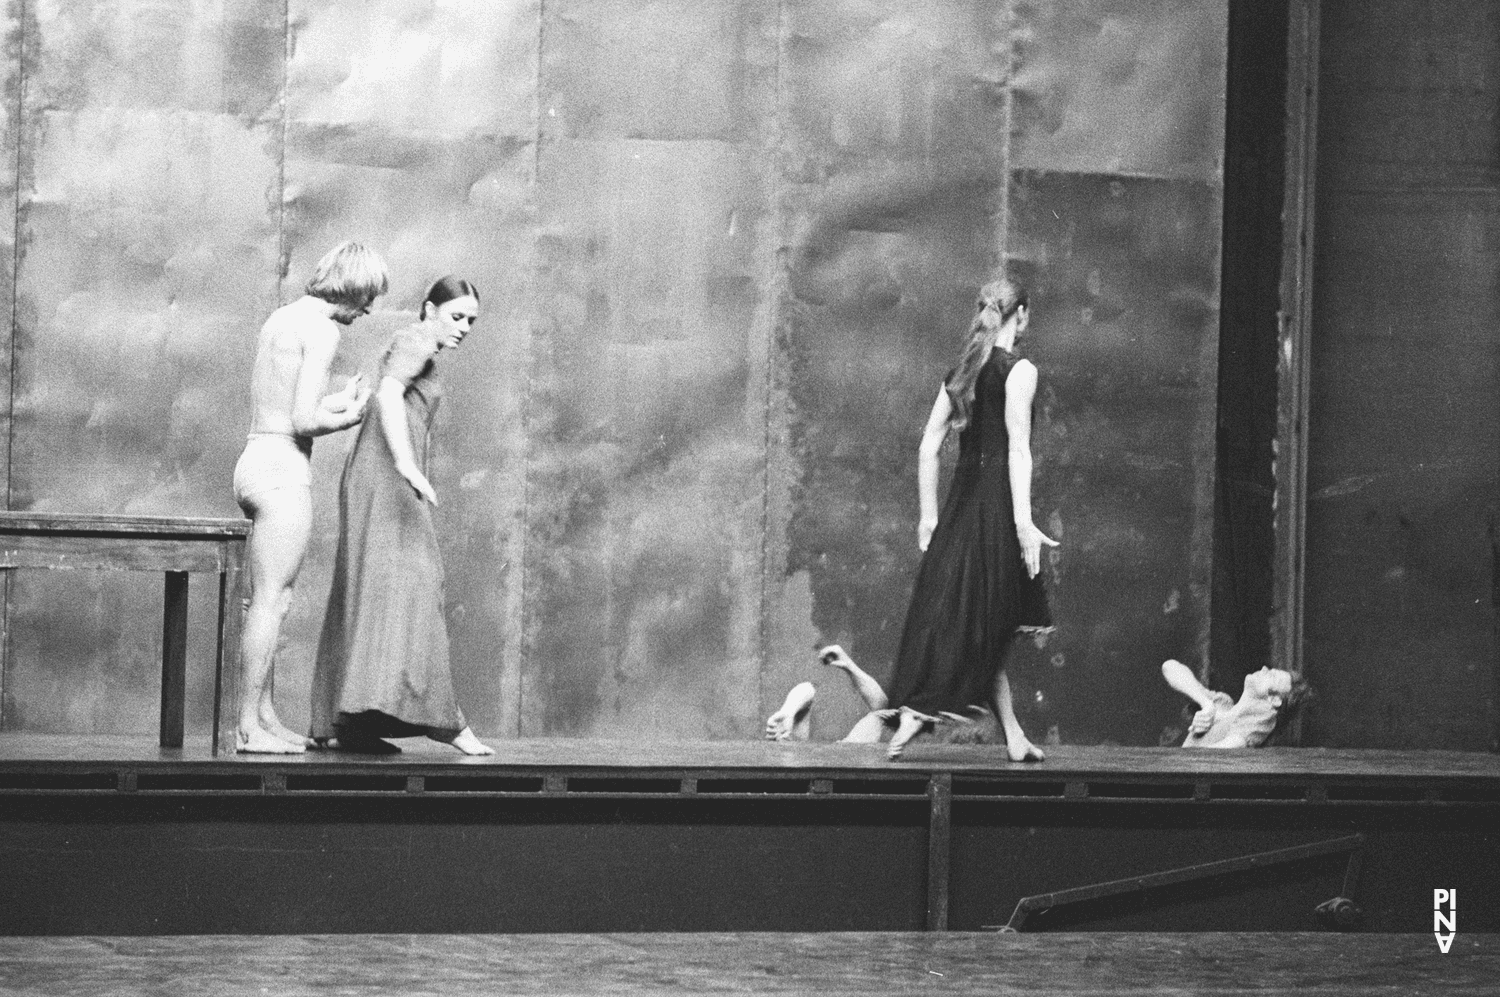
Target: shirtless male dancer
1269 696
273 481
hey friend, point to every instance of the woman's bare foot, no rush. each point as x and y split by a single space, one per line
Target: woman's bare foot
466 742
1016 744
793 722
257 741
910 726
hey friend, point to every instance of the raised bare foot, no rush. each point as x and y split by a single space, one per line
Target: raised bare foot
1022 750
910 725
256 741
793 722
466 742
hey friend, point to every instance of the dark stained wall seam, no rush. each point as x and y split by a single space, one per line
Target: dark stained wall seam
10 411
523 624
283 255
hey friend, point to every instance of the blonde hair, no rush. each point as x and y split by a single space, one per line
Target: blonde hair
1007 297
350 274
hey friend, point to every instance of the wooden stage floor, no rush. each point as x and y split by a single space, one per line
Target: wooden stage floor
1064 760
828 964
562 766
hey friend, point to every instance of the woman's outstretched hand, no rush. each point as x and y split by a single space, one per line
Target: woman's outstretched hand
1031 547
418 480
924 533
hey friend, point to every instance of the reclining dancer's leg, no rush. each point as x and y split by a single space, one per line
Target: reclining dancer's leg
793 721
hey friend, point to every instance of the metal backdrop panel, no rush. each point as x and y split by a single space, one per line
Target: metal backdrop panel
148 228
727 252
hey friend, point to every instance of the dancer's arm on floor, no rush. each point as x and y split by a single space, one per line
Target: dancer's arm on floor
1020 389
314 414
933 435
390 399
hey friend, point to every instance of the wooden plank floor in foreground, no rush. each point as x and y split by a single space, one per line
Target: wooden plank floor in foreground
870 965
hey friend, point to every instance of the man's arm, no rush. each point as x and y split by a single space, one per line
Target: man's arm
312 414
1181 678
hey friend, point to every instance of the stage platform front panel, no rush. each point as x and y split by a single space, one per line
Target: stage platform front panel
832 965
117 836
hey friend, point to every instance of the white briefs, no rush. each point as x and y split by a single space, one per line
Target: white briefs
271 461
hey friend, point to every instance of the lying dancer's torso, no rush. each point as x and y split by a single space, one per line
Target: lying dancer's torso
1233 728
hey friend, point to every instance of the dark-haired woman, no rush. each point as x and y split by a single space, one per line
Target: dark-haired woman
979 582
382 668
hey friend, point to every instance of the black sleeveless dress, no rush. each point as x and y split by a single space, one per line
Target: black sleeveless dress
971 594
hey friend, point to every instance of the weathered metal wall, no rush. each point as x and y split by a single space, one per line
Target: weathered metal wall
1404 424
148 159
1116 208
727 251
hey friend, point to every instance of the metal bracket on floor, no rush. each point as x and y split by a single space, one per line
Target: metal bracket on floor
1343 915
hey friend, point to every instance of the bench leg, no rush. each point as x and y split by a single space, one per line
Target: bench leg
174 659
227 661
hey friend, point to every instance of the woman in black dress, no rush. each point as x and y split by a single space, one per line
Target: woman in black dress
979 582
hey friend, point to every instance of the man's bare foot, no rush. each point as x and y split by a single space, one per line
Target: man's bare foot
1020 749
910 726
256 741
793 722
272 724
466 742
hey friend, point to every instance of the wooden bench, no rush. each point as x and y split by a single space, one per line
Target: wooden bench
174 545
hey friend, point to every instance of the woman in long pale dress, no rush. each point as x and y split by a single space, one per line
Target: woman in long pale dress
382 668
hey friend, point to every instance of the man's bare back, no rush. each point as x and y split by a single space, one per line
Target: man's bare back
292 358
